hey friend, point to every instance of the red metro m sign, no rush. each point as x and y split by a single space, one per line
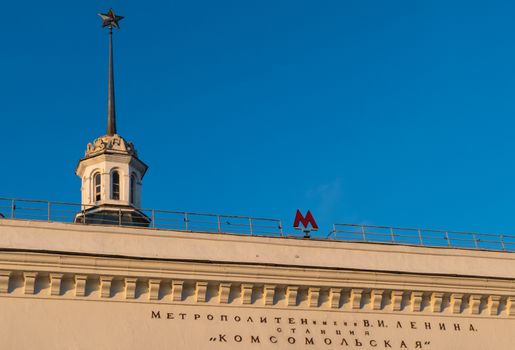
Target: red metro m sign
305 221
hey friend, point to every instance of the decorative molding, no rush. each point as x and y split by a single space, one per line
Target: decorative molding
177 290
246 293
113 144
456 302
105 286
130 287
327 278
511 305
416 300
80 285
493 304
397 300
55 283
334 296
436 301
224 291
4 281
475 304
478 304
355 298
291 295
314 295
376 297
30 282
153 286
269 294
201 291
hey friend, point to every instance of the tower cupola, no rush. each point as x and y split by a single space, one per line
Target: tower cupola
110 171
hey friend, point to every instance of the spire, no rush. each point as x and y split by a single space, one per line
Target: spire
111 112
110 20
111 196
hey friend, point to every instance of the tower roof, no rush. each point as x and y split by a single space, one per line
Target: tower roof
110 144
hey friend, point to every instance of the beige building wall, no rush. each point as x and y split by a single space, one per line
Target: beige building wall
67 286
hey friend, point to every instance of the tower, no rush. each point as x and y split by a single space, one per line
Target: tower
110 171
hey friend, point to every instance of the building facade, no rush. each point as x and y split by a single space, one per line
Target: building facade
109 278
74 286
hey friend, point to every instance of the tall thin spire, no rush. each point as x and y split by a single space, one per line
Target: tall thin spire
111 112
110 20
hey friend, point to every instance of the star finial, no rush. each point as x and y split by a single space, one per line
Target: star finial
110 19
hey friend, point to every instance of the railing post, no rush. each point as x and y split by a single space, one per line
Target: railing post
186 220
48 210
447 239
281 227
420 237
250 225
475 240
119 217
153 219
13 206
219 225
502 241
363 233
391 234
334 232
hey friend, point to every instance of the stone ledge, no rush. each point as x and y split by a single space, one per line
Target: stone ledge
120 288
139 243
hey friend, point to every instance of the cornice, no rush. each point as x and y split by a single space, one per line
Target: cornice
116 279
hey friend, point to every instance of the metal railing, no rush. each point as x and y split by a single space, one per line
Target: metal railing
422 237
25 209
39 210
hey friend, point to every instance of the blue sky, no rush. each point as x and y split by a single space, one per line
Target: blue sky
394 113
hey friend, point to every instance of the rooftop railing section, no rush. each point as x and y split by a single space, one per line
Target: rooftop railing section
423 237
39 210
25 209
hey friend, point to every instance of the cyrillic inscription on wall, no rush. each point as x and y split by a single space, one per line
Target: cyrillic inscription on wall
321 330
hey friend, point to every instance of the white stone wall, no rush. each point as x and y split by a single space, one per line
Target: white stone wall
66 286
105 165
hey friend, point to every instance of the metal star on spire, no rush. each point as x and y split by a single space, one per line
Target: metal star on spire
110 19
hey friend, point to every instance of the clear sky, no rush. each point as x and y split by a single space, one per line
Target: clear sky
380 112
